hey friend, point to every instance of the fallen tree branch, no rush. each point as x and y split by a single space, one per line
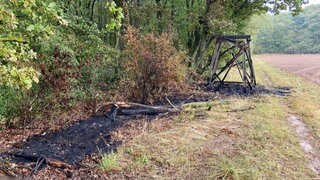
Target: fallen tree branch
37 166
242 109
131 105
130 108
194 104
158 108
148 111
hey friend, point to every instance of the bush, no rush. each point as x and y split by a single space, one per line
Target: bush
9 100
77 69
152 65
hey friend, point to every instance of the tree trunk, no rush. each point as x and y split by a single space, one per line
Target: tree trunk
201 40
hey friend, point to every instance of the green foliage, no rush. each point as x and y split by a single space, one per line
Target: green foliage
288 34
76 65
9 99
143 159
23 23
69 52
194 22
116 14
106 15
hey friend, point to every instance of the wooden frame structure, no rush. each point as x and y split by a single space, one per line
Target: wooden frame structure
240 57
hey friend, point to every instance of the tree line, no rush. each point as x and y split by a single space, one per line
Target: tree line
57 55
288 34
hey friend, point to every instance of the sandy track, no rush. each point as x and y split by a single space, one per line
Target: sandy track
306 65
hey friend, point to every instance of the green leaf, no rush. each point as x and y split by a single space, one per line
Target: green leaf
52 5
30 28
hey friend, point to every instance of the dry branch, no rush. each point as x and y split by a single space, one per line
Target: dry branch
241 109
58 164
136 108
172 105
130 108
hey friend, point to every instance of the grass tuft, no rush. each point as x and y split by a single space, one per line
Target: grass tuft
109 162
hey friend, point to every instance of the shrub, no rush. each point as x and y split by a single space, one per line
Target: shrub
9 100
77 69
152 65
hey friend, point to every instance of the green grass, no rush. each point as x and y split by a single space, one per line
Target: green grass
109 162
304 101
255 144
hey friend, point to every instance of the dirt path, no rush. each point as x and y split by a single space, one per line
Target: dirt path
306 142
306 66
302 131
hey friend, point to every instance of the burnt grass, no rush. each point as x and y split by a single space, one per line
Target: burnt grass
79 140
71 144
235 88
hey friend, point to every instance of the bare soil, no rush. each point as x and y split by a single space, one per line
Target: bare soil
304 65
306 142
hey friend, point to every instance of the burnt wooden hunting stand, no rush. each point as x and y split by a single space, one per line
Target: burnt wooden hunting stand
234 51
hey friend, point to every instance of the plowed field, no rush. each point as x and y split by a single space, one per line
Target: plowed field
307 66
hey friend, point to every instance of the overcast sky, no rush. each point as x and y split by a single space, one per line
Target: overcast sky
314 1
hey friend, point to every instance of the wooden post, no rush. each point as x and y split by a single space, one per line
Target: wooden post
248 51
215 60
244 72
